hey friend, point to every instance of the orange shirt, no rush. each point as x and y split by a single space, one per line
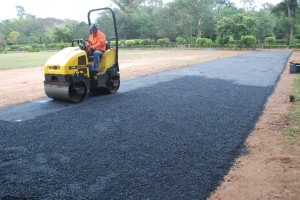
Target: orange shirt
98 41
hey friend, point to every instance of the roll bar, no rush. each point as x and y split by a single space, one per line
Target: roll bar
114 24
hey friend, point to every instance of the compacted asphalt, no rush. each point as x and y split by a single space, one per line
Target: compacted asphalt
171 135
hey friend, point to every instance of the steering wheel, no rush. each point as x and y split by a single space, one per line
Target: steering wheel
82 43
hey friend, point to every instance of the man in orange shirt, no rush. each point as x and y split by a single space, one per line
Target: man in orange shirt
97 45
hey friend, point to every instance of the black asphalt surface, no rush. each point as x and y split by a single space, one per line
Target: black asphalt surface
172 135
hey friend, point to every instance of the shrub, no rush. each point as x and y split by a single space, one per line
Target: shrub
203 42
34 50
61 45
22 48
28 48
113 43
35 45
137 41
208 42
150 41
122 42
144 42
281 41
51 45
129 43
181 40
270 40
297 37
163 41
248 40
14 47
295 41
224 40
231 40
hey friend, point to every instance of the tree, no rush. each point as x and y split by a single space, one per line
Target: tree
128 6
2 41
289 9
20 11
105 23
164 25
265 24
13 37
62 35
145 24
220 4
237 25
193 16
78 31
248 5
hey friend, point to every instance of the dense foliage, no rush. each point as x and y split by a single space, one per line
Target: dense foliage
184 22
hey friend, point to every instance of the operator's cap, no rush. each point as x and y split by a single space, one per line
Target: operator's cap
93 26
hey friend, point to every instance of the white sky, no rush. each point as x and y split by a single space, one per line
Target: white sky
66 9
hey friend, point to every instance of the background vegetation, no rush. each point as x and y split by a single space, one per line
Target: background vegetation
180 23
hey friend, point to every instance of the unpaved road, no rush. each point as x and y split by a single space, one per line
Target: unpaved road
26 84
249 180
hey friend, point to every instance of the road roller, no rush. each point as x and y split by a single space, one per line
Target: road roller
69 75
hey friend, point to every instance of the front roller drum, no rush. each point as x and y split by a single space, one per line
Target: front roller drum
72 92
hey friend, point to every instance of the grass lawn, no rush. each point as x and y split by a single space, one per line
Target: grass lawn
23 59
26 59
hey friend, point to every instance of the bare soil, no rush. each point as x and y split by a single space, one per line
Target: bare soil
270 169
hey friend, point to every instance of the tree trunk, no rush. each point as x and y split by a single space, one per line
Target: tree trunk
291 34
2 40
199 28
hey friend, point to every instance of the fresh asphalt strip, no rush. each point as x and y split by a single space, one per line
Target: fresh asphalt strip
171 135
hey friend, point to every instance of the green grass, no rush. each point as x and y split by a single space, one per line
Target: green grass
32 59
23 59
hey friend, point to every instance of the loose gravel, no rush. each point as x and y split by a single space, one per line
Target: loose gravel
173 135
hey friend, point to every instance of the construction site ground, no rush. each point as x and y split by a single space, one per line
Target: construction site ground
271 167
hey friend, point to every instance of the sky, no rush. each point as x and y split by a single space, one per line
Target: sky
65 9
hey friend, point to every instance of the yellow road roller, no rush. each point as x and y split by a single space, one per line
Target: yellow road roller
68 74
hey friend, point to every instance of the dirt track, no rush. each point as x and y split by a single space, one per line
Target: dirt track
26 84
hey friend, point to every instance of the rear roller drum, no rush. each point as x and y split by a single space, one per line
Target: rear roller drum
113 86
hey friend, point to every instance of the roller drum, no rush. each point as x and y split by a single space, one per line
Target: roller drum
65 92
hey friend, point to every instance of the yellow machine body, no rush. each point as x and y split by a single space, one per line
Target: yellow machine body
67 62
72 60
108 59
69 74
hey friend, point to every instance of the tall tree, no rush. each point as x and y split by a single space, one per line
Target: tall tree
265 24
78 30
192 14
128 6
164 25
289 9
62 34
248 5
145 24
237 25
20 11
